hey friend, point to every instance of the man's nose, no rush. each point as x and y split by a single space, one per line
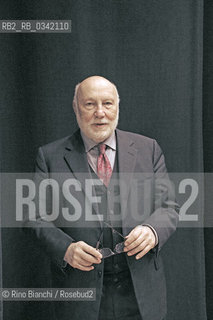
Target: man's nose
100 113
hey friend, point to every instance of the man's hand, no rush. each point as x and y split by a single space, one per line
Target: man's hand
81 256
140 240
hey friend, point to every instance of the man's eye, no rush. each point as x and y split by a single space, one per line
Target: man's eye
108 103
89 104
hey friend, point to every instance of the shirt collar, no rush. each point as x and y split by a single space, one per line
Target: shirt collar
90 144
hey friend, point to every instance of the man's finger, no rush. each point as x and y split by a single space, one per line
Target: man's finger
89 258
133 235
143 252
135 243
137 249
83 268
87 248
84 263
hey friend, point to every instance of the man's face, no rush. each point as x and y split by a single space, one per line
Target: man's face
97 108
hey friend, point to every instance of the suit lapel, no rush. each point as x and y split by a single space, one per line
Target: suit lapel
76 159
127 154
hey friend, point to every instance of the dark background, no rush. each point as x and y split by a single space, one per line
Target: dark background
208 141
161 61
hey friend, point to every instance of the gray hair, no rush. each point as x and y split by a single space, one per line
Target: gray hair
75 98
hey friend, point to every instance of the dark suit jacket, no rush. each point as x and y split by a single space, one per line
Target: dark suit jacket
136 154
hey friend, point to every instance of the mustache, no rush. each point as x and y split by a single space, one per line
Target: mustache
100 123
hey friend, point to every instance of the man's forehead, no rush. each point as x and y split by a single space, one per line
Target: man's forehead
91 87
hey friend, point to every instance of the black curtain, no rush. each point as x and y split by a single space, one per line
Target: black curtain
208 143
153 51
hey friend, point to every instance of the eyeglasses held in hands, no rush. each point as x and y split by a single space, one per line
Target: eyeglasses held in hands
107 252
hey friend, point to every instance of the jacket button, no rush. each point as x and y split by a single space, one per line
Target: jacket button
99 274
116 266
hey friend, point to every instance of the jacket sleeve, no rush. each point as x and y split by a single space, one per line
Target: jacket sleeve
165 217
53 239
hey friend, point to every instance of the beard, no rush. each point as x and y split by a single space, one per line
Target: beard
98 135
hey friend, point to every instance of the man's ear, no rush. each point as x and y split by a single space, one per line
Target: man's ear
74 106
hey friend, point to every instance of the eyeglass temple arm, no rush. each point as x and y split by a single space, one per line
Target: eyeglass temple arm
97 245
114 230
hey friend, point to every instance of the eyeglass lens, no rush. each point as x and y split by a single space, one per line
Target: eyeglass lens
107 252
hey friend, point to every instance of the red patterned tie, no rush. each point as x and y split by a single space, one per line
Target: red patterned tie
104 168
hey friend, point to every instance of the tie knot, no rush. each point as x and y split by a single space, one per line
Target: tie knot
102 148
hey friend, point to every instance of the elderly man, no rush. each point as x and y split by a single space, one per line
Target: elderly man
121 260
